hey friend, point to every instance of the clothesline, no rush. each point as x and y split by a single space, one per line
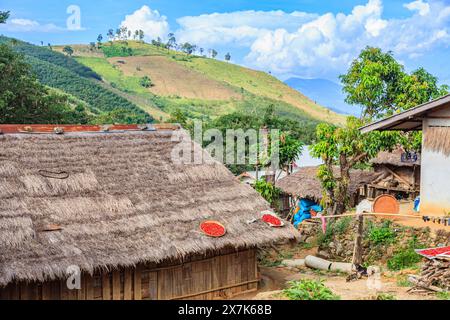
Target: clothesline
370 214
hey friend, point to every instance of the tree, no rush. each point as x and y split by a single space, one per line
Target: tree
346 147
201 51
42 43
91 46
380 85
228 57
50 46
136 34
24 100
4 15
172 41
188 48
213 53
68 50
141 35
146 82
129 34
110 35
290 149
99 39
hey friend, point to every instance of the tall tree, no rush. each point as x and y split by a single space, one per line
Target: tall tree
110 34
99 39
141 35
68 50
172 41
379 84
213 53
136 35
188 48
228 57
4 15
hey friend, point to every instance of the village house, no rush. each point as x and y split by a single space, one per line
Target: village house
304 184
433 119
399 174
111 202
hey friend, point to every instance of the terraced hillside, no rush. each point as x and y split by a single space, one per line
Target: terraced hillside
200 86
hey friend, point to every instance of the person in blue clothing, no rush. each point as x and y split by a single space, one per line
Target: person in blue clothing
303 210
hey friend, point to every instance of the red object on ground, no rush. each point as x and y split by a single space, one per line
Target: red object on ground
431 253
271 220
386 204
213 228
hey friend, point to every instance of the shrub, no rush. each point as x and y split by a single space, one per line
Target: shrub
146 82
381 235
309 290
385 296
402 259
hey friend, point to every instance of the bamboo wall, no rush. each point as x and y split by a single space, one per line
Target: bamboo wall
201 277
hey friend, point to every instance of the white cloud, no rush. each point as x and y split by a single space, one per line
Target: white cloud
150 21
421 7
240 28
313 45
26 25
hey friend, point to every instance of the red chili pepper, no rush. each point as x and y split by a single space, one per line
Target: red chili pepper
212 229
435 252
271 219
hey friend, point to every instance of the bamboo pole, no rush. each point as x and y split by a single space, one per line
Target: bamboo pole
369 214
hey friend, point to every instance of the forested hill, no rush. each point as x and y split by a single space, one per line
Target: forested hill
56 70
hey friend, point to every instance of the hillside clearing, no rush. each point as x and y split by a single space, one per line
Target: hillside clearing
172 79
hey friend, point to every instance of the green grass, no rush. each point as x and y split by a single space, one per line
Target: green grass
381 235
309 290
385 296
402 281
444 295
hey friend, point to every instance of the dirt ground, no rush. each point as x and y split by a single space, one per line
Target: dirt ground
171 78
407 208
275 279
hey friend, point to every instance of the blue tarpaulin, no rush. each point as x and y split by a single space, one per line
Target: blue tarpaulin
302 211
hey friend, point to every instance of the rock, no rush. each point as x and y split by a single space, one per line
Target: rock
323 254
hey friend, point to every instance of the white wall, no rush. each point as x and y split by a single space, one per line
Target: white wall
435 177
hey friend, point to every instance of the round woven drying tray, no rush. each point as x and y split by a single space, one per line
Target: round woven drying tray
386 203
213 222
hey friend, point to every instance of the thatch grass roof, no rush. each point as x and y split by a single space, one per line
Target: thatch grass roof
305 184
394 158
116 199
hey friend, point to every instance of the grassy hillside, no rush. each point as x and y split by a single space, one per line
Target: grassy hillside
201 87
66 74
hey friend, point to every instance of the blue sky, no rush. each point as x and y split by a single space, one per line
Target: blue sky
304 38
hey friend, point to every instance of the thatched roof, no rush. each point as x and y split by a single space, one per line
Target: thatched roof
394 158
115 199
305 184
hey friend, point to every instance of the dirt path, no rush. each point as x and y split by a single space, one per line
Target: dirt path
274 279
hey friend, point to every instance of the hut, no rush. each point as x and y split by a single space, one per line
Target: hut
433 118
304 184
109 209
399 174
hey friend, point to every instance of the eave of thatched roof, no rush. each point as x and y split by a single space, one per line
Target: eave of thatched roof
124 202
305 184
394 158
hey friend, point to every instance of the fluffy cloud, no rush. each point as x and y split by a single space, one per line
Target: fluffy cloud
313 45
421 7
150 21
241 28
26 25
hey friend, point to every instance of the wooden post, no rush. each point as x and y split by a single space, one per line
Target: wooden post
358 249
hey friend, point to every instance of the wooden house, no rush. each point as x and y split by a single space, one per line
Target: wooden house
112 203
433 118
399 174
305 184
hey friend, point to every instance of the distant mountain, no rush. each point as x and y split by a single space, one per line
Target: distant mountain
325 92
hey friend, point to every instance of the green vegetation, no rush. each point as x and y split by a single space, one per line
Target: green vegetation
444 295
146 82
338 227
24 100
66 74
267 190
381 235
309 290
405 257
402 281
385 296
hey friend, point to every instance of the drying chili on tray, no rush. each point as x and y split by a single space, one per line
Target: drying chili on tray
213 228
272 220
433 252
